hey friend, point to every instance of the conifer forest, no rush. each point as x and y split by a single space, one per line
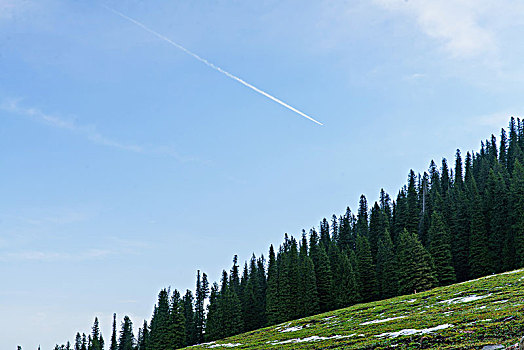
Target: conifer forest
459 220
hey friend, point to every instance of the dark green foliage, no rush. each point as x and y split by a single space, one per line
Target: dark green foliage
307 285
272 296
177 321
189 317
517 212
440 250
114 344
323 275
202 291
366 269
345 290
387 268
127 339
143 337
479 257
416 271
97 342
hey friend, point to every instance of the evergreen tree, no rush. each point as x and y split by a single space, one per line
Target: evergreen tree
440 250
213 331
367 277
189 316
127 339
323 274
307 286
143 339
177 322
416 271
479 257
272 297
161 336
387 268
114 344
202 291
517 211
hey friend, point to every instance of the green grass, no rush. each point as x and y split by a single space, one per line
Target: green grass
496 317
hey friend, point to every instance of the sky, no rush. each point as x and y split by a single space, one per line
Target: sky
127 164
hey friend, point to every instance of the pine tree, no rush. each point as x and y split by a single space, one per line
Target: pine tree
517 211
440 250
272 297
202 291
229 310
323 274
114 344
97 342
387 268
189 316
344 279
143 339
161 336
307 286
367 277
213 316
416 271
177 321
479 257
127 339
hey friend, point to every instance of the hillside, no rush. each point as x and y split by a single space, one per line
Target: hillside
488 310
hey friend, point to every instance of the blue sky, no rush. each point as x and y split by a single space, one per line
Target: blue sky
127 164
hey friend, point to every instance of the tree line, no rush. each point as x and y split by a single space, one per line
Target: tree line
447 225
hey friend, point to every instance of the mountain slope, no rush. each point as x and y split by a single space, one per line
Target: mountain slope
489 310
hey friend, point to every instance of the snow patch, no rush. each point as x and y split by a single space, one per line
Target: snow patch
465 299
512 272
411 300
227 345
312 338
292 329
414 331
383 320
501 301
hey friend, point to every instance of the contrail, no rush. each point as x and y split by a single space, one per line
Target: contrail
203 60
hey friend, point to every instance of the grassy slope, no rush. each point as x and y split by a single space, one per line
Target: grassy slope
496 318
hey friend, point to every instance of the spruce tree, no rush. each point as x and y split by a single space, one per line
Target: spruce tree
307 286
366 268
177 321
113 345
440 250
416 271
189 316
272 297
202 291
387 268
127 339
517 212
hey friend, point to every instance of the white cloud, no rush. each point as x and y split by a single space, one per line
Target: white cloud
46 256
90 132
460 26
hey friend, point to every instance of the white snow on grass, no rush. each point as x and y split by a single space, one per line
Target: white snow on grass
414 331
329 317
383 320
227 345
501 301
465 299
312 338
411 300
292 329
